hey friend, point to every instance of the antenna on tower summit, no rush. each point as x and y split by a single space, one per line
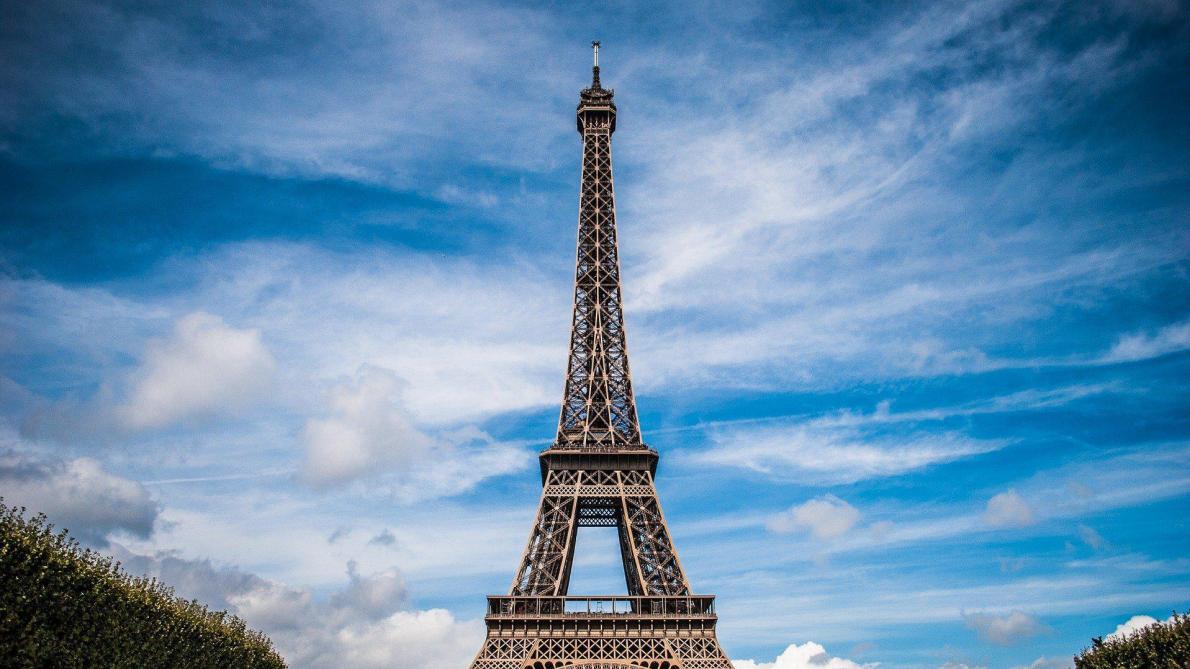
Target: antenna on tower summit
595 70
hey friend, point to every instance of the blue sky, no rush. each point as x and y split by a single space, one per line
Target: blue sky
285 290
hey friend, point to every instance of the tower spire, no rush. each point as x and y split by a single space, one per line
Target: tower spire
595 68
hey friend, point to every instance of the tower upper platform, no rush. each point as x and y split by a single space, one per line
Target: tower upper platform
596 111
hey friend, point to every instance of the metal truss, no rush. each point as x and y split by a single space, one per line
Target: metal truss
626 500
598 410
599 473
596 653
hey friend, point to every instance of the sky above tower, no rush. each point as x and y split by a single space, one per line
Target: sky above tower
285 294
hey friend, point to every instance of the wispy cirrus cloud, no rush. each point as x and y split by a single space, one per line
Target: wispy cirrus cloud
1141 345
827 239
848 445
278 106
836 456
1049 503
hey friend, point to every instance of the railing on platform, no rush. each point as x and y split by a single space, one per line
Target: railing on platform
656 606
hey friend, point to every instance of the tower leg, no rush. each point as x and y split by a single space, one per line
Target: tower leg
545 565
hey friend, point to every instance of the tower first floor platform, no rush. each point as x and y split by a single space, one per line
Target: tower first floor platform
601 633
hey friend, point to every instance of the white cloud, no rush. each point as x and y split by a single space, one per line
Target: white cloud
363 625
822 452
277 609
463 337
1091 537
370 436
808 655
292 119
1004 630
466 337
376 596
1141 346
1129 477
843 258
205 367
357 628
201 579
819 255
431 639
79 495
961 665
1133 625
1008 509
368 433
826 517
848 446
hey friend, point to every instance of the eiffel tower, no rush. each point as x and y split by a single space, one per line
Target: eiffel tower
599 473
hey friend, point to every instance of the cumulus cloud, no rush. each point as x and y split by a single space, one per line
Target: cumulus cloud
808 655
376 595
368 431
1004 630
369 435
359 627
205 367
825 517
431 639
363 625
79 495
1133 625
1008 509
200 579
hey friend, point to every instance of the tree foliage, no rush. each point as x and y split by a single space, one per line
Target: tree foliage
65 606
1157 646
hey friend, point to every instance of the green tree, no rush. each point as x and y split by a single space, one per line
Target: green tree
1158 646
63 606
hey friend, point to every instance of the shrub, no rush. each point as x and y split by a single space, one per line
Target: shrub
1158 646
63 606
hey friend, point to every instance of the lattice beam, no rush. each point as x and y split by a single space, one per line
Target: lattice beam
598 408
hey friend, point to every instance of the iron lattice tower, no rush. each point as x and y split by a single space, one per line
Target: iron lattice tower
599 473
